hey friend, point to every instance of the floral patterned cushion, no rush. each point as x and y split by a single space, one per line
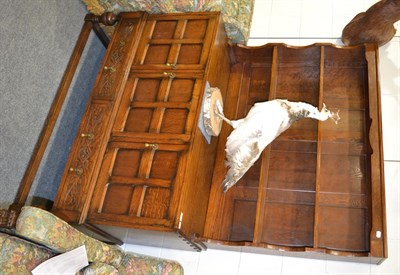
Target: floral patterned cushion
236 14
45 228
133 263
18 256
99 269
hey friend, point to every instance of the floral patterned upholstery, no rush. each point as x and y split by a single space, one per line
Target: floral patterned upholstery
236 14
45 228
99 269
133 263
19 256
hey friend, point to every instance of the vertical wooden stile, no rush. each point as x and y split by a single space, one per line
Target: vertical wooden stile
317 172
262 189
274 74
378 246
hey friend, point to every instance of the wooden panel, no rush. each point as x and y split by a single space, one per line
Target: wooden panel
289 199
112 70
174 121
240 226
181 90
351 129
156 203
289 224
344 182
292 170
80 166
350 92
140 181
343 228
127 163
156 103
176 42
139 120
238 223
345 174
244 216
196 28
287 204
147 89
121 205
157 54
164 165
164 29
297 75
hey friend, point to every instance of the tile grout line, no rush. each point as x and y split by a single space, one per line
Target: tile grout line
240 260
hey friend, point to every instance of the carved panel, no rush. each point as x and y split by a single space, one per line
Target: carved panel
112 66
81 168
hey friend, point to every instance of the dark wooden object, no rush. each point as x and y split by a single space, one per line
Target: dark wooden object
139 160
318 188
373 26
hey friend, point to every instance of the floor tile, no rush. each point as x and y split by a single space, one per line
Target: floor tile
284 27
392 190
302 266
285 19
389 67
257 264
316 19
261 18
218 262
391 266
391 126
348 268
188 259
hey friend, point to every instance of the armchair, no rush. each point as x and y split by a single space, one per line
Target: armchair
40 235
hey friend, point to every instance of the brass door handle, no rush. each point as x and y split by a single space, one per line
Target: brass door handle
111 69
170 75
171 65
78 171
153 146
87 135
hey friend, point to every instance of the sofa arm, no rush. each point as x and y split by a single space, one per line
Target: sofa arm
134 263
45 228
98 269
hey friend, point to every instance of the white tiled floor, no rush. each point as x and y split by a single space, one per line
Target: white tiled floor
303 22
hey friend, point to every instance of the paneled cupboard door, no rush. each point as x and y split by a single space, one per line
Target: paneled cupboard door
175 42
158 106
149 169
138 183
